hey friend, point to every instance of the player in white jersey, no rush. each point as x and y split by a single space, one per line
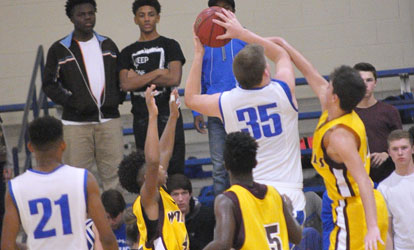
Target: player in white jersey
260 105
51 200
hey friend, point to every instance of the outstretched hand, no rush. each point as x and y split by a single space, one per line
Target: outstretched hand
174 104
150 100
371 239
229 21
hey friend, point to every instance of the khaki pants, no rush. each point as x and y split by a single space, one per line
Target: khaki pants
100 144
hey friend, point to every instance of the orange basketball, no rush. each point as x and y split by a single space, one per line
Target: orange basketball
206 30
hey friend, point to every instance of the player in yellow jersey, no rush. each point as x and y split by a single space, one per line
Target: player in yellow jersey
341 157
250 215
160 221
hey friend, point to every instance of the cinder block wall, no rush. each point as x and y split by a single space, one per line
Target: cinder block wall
328 32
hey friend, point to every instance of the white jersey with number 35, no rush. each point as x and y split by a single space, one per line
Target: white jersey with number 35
52 207
270 116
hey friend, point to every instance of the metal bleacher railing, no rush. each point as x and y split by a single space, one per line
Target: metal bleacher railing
36 102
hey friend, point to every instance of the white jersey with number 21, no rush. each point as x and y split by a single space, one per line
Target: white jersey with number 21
52 207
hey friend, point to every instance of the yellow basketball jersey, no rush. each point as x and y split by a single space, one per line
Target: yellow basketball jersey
171 231
347 209
262 224
338 181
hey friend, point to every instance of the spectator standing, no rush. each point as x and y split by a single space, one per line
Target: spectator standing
398 191
153 59
380 119
80 74
216 77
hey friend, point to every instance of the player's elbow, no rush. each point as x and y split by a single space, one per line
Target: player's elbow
188 99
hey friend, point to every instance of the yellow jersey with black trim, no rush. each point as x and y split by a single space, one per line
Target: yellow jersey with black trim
171 233
260 222
338 181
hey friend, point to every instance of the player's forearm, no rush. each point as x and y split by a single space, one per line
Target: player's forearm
368 202
389 244
167 141
315 80
193 84
151 149
6 245
109 243
130 83
294 229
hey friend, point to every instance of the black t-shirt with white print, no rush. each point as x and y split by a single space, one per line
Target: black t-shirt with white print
144 57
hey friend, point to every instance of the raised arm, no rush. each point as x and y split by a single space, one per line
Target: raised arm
97 213
225 224
204 104
168 135
283 64
343 142
317 82
149 190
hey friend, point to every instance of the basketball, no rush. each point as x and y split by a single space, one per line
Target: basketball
206 30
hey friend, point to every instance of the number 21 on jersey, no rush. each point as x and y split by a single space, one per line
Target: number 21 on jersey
46 204
261 121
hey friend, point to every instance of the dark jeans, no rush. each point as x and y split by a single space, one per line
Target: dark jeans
140 125
216 138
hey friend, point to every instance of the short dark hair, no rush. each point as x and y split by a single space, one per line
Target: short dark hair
214 3
177 181
240 153
400 134
363 66
45 132
113 202
70 4
139 3
129 171
348 86
249 65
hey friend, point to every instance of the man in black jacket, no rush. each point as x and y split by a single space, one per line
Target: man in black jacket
199 219
80 74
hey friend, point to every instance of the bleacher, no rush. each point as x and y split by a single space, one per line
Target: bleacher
36 101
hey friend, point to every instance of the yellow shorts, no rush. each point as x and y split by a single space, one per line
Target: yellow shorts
350 225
